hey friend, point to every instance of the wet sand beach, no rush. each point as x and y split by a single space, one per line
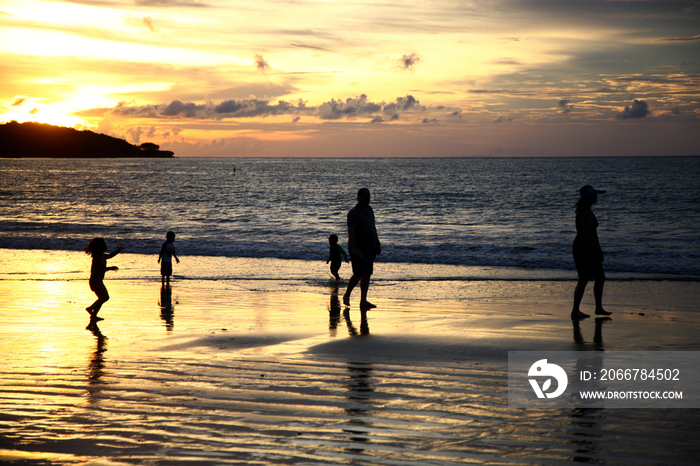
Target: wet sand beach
218 372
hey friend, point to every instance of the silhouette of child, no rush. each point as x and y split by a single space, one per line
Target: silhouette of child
97 248
335 255
165 258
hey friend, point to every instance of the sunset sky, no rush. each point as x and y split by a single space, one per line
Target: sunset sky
356 78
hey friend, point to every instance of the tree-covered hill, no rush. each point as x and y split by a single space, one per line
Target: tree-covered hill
19 140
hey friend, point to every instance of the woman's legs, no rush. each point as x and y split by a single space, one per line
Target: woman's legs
578 296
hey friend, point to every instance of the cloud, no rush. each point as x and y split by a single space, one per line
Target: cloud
682 39
135 133
252 108
34 111
312 47
261 64
177 108
379 119
173 3
503 119
638 109
148 21
402 104
408 62
565 106
19 100
353 107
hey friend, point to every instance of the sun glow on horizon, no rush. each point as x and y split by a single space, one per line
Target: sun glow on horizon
56 116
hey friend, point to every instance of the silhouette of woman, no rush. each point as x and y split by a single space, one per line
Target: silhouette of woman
588 255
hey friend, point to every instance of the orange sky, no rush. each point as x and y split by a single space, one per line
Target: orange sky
360 78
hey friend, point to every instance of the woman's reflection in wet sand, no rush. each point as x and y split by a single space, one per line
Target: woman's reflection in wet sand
96 367
597 336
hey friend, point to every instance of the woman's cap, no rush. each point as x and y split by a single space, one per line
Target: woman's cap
588 189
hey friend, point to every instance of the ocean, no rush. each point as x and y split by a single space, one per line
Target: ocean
513 213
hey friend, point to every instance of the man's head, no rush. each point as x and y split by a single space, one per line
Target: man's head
363 197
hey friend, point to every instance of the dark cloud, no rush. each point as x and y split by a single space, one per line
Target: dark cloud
503 119
352 107
565 106
402 104
177 108
379 119
34 111
261 64
407 62
638 109
19 100
252 108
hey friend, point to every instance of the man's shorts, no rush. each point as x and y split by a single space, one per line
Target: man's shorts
363 265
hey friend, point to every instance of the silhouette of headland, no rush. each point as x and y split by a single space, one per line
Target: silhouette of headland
22 140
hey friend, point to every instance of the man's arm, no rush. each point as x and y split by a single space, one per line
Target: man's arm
351 241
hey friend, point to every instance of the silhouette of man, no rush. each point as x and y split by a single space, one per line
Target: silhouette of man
364 246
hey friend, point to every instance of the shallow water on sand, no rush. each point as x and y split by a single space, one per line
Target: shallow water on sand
208 373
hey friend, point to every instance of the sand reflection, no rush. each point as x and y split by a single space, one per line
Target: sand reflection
359 394
96 366
167 312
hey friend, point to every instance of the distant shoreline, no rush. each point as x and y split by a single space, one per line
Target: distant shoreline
161 155
40 140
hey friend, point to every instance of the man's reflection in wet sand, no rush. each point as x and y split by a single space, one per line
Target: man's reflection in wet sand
334 317
364 325
360 406
96 367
